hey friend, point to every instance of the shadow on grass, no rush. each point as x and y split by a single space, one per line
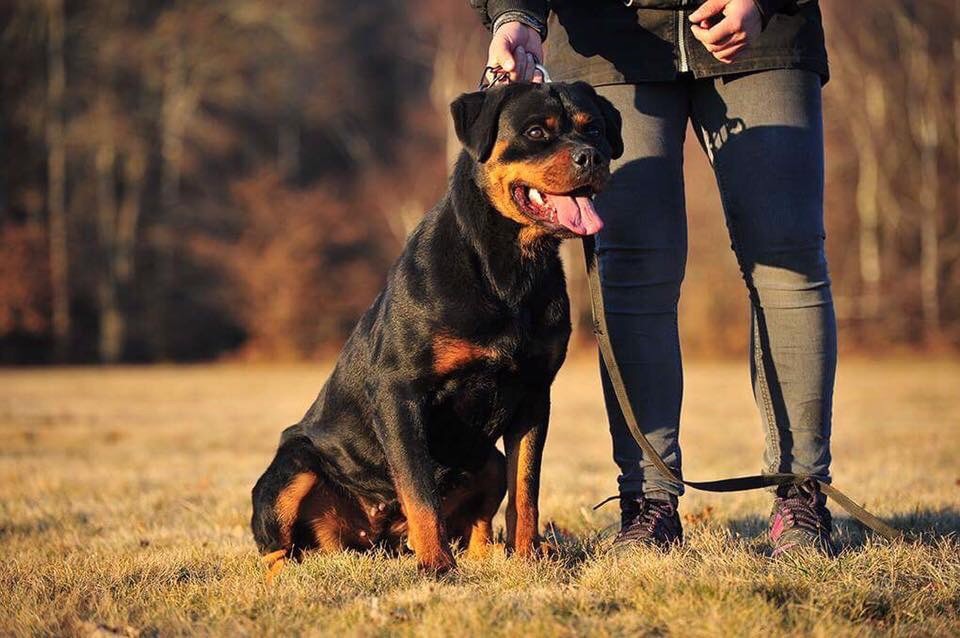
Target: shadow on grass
926 526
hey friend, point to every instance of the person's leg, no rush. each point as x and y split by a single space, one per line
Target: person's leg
763 133
642 254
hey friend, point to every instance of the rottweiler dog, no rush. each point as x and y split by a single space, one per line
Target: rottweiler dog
459 349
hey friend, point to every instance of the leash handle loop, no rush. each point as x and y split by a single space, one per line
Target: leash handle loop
495 75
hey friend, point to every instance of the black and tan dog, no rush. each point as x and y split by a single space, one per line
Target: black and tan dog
459 349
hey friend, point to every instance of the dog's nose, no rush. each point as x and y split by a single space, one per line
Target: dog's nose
586 157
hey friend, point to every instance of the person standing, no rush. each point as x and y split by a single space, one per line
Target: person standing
748 75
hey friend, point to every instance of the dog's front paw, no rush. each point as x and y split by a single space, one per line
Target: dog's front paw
436 563
533 549
274 562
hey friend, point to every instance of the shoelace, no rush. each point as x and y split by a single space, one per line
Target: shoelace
644 524
799 510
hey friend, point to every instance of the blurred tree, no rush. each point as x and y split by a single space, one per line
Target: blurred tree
57 177
157 118
182 179
897 70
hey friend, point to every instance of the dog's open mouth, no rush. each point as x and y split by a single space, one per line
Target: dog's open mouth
572 210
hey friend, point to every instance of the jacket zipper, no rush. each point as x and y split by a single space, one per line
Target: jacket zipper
682 41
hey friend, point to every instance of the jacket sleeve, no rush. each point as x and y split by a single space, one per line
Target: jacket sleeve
490 9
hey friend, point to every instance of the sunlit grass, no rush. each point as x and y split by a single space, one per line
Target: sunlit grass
124 507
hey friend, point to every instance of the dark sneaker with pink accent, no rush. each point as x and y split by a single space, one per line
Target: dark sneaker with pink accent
647 521
800 518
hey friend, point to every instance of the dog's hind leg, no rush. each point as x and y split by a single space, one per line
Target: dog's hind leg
296 508
280 496
470 510
278 493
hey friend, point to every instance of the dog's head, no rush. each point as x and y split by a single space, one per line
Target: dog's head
542 152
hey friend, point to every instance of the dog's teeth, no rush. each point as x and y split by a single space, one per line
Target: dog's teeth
535 196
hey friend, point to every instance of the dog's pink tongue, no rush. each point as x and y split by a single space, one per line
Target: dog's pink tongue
575 213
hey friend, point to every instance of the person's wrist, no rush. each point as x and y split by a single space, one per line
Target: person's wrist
523 18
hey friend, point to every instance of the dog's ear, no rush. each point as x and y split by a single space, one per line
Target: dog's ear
613 123
475 117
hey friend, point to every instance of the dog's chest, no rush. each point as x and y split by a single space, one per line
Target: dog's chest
528 343
486 376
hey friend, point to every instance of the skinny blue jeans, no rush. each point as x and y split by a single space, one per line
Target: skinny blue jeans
763 135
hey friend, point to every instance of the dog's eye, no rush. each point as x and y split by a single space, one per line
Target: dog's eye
592 130
536 132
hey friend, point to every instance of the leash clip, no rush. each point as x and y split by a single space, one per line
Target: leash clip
495 75
543 72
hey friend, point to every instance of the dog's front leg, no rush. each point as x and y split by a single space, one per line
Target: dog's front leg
523 443
400 427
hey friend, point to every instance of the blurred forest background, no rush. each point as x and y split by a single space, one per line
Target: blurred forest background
186 180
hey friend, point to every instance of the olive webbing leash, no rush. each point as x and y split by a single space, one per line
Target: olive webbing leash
737 484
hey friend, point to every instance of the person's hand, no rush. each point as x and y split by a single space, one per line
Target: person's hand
740 23
516 48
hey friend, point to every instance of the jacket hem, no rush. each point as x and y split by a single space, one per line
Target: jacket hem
612 76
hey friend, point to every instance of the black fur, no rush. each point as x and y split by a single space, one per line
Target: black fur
386 416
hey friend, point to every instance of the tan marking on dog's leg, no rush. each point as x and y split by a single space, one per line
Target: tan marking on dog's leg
287 506
523 480
427 536
328 532
274 562
272 557
469 510
275 569
481 539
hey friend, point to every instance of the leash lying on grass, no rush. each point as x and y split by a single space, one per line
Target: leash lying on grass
737 484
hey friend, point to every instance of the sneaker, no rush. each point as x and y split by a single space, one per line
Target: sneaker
800 518
647 521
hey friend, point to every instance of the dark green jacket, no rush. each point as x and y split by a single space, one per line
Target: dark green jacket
607 42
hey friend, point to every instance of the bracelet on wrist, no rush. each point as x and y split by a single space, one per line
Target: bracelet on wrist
523 18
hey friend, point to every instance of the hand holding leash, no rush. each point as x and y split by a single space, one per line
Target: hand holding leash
517 49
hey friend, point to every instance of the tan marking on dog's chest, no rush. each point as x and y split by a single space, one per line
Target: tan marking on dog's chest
451 353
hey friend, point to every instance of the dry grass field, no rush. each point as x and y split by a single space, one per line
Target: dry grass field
124 503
